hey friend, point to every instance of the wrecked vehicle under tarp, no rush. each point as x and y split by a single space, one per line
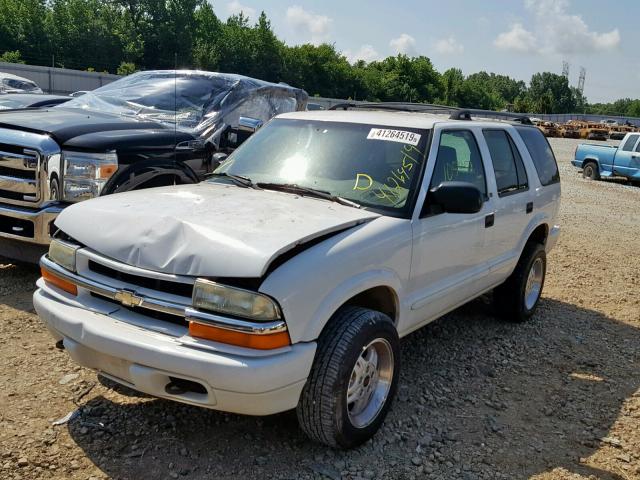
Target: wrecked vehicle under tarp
205 104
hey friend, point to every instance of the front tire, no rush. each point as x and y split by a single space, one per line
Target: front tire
353 379
517 298
54 189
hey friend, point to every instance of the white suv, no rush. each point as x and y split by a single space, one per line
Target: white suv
286 279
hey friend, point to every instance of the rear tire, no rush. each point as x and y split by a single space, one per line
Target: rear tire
353 379
591 171
517 298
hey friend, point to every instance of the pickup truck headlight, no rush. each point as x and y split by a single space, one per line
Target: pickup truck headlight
86 173
63 253
208 295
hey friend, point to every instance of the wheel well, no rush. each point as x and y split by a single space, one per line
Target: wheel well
163 180
589 160
539 235
382 299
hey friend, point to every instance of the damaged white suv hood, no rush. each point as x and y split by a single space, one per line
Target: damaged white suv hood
206 229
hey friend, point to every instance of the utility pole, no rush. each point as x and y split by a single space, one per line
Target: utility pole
565 69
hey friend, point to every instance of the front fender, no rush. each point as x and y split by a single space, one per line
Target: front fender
311 286
346 291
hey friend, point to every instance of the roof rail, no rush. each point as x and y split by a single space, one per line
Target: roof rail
456 113
397 106
522 119
460 115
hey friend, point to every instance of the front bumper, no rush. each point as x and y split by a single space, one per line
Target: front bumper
576 163
148 361
24 218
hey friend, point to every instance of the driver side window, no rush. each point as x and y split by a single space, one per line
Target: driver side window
459 160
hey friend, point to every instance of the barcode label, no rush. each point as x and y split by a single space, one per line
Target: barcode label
401 136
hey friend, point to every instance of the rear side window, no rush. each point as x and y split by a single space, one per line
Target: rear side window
541 154
631 141
510 173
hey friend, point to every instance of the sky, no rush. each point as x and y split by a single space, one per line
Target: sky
512 37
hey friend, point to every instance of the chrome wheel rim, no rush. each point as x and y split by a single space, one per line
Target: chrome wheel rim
370 382
534 283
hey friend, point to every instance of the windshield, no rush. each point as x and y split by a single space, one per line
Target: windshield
375 166
19 84
181 97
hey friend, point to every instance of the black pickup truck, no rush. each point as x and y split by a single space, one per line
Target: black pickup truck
149 129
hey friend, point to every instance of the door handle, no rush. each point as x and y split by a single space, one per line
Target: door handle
489 220
529 207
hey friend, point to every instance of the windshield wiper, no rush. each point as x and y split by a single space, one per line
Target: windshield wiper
239 180
314 192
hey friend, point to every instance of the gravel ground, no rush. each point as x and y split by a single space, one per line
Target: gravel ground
556 398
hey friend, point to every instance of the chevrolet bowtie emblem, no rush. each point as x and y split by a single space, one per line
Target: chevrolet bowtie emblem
128 298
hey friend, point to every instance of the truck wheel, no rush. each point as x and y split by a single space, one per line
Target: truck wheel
591 171
54 189
353 379
517 298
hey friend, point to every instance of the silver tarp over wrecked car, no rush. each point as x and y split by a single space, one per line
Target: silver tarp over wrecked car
202 103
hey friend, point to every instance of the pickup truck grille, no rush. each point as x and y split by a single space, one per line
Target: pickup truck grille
19 172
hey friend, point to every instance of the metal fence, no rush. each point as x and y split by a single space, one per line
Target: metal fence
59 81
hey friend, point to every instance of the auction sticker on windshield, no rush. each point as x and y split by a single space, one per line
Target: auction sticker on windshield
401 136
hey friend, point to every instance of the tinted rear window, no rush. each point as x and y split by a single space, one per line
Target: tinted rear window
541 154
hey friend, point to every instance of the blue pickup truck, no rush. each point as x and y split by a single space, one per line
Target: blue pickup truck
607 161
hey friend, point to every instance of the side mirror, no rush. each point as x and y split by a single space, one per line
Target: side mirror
248 124
216 160
454 197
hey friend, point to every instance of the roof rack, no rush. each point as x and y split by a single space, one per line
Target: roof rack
398 106
455 113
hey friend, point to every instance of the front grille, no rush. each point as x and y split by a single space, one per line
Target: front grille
18 174
15 173
165 317
175 288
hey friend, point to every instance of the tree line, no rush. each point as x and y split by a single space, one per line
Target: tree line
121 36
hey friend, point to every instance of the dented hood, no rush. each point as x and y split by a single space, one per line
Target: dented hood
207 229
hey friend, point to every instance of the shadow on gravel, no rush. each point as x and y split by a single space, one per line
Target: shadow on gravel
479 398
17 283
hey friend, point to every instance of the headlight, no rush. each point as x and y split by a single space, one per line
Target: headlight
63 253
208 295
86 173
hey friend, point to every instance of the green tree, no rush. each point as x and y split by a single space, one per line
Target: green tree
550 93
126 68
320 70
22 27
452 82
11 57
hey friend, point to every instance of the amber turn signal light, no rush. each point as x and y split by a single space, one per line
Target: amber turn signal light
56 281
259 342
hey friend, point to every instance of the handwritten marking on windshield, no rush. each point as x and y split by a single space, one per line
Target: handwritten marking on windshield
394 187
363 176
